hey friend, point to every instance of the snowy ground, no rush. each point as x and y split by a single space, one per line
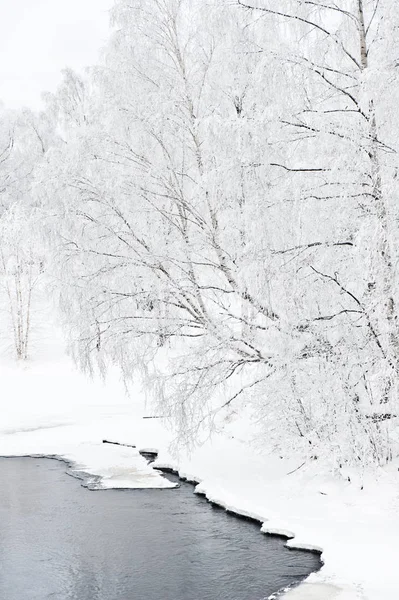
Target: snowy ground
47 407
358 530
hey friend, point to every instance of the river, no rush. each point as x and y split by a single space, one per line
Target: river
60 541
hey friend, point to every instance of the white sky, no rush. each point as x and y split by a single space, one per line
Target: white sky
40 37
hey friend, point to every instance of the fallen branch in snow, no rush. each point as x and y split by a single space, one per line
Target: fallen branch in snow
297 469
160 417
118 444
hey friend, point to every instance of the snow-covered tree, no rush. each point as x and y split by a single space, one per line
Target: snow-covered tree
225 195
338 162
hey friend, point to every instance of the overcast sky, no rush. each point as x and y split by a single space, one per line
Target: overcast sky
40 37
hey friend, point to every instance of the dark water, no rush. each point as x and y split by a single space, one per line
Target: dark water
59 541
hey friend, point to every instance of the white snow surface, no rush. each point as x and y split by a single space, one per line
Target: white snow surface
52 409
49 408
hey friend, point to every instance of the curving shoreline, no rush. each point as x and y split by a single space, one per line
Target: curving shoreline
93 482
264 528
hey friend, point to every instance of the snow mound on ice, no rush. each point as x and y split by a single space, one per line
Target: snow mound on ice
314 591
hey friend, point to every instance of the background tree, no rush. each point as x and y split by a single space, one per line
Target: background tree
24 139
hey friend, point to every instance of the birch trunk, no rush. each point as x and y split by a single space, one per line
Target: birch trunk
384 277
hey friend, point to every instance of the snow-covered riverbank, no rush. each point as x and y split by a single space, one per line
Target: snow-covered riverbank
355 528
50 408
